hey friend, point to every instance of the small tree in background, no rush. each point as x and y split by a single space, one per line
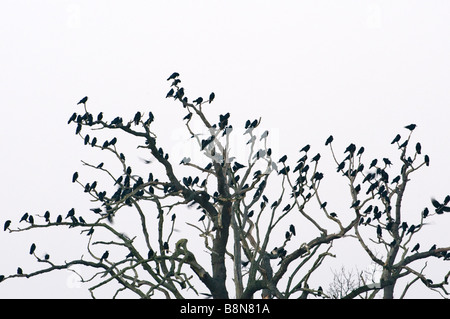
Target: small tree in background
245 225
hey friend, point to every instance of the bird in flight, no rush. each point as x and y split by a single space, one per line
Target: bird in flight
441 208
83 100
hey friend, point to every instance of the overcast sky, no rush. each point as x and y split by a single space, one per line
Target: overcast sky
360 70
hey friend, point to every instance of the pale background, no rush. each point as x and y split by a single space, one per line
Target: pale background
360 70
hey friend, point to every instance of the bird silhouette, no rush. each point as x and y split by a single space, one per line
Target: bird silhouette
7 224
71 213
441 208
173 76
170 93
329 140
411 127
427 160
316 158
396 139
83 100
305 148
198 100
74 177
292 229
282 159
32 248
418 148
24 217
104 256
211 97
416 248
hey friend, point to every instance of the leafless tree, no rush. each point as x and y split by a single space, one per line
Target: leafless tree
238 230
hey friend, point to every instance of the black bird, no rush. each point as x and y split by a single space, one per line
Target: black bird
403 145
425 212
292 229
24 217
179 95
32 248
96 210
418 148
379 233
31 219
7 224
166 246
396 179
427 160
396 139
282 159
416 248
410 127
83 100
104 256
137 118
86 139
19 271
71 213
351 149
72 118
433 247
355 204
411 229
59 219
207 142
47 216
211 97
341 166
100 116
316 158
284 170
441 208
173 76
74 177
198 100
387 161
360 151
170 93
305 148
329 140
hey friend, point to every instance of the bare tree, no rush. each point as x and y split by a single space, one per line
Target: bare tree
225 199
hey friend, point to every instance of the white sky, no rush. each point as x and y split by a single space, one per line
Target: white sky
360 70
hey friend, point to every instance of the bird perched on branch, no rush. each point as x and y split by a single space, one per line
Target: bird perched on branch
411 127
83 100
7 224
211 97
198 100
173 76
104 256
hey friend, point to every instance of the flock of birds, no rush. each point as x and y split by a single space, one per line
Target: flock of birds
302 167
